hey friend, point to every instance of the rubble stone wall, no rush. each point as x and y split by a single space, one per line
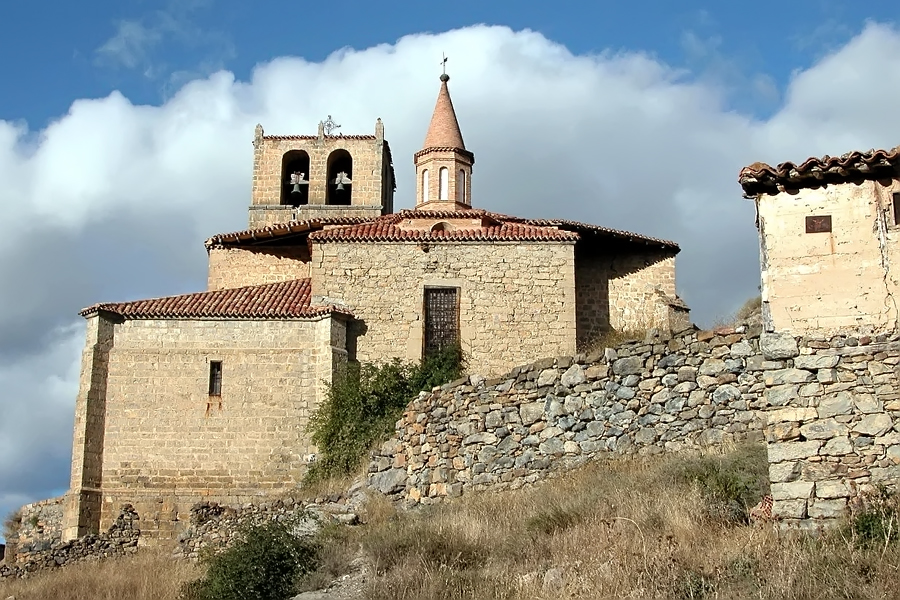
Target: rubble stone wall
121 539
39 526
829 411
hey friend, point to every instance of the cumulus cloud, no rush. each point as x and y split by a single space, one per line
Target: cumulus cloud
112 201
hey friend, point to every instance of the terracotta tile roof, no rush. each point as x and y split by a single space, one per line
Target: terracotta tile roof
443 132
386 231
760 178
280 229
315 137
497 227
284 300
606 231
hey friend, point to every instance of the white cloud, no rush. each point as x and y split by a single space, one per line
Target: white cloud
112 200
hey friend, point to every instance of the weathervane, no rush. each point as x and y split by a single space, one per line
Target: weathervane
444 63
330 125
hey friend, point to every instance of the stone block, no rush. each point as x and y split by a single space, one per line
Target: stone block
573 376
867 403
778 346
874 425
793 450
824 429
782 395
826 509
832 489
792 490
788 376
784 472
789 509
631 365
814 362
531 412
791 414
838 403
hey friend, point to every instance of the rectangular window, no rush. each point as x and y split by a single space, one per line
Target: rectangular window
441 319
896 209
215 378
818 224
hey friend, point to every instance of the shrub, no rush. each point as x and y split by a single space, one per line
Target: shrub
879 522
264 565
363 403
731 483
11 525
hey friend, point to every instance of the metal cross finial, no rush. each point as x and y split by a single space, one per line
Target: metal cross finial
330 125
444 63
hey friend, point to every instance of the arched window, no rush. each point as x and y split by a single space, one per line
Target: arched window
425 186
461 187
340 178
444 193
442 226
294 178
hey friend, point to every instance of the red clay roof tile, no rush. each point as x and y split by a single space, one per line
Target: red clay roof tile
283 300
760 178
385 231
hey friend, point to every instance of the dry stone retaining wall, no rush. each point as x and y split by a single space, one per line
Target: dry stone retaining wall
642 397
829 409
121 539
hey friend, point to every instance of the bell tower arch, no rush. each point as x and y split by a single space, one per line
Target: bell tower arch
330 174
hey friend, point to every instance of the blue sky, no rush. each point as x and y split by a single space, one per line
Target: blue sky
58 51
125 130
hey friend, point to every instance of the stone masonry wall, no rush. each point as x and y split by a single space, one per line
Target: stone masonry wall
121 539
830 281
829 409
692 390
834 422
39 527
167 442
238 267
263 216
368 154
516 300
619 290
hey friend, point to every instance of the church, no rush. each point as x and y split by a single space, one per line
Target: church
206 396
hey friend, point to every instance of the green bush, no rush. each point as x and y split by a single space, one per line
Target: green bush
363 403
264 565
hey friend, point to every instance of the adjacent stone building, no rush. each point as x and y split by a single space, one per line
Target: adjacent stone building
207 395
829 232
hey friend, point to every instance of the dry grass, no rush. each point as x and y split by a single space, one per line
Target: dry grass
751 306
664 527
148 575
629 529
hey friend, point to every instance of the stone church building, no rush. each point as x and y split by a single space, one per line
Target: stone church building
207 395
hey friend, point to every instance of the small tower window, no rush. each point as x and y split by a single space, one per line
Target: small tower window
896 206
215 378
425 186
461 187
340 178
445 184
295 178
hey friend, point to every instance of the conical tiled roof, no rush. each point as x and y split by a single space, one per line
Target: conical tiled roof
444 129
